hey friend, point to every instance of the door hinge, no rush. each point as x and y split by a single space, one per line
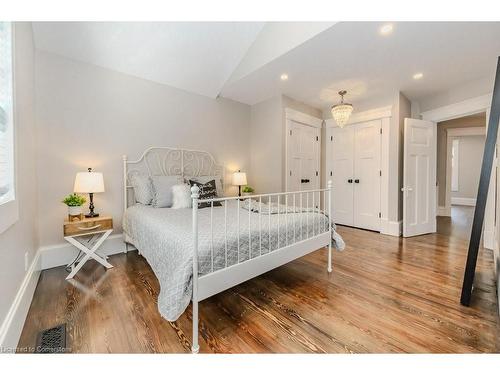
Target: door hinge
317 138
380 173
290 173
331 138
290 132
316 173
380 130
379 215
331 173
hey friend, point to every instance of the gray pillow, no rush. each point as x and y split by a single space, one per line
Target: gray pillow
162 190
143 191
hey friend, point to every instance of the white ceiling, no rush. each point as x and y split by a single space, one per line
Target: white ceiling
355 57
320 59
193 56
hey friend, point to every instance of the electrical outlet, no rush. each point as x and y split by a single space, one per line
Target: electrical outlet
26 261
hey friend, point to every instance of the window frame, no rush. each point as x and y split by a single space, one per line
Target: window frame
9 211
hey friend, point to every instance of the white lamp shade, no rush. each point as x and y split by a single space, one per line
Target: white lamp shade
239 178
89 182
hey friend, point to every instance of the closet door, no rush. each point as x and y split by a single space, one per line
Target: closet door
303 157
343 175
366 208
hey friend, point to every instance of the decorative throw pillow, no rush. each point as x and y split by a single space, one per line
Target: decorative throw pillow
181 196
205 179
143 191
162 189
207 190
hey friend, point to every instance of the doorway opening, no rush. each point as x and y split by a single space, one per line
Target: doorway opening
460 146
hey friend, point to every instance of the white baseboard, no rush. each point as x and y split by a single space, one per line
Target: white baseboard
13 324
392 228
463 201
443 211
62 254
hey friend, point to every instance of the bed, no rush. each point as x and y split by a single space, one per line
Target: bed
198 252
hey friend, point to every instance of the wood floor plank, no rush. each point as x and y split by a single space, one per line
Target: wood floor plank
385 295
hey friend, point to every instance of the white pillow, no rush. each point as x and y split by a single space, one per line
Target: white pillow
205 179
143 191
181 196
162 189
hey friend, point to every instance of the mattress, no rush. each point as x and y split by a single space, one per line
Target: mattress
164 237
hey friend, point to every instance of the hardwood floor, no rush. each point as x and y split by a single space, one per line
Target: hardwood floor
386 294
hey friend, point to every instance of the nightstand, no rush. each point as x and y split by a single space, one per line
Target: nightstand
87 235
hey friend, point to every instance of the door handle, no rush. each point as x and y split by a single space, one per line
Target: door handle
304 180
356 181
349 180
406 190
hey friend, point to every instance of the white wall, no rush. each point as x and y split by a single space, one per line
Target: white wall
89 116
20 238
470 158
267 142
266 162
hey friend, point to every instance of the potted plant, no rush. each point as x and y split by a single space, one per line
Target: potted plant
247 190
74 203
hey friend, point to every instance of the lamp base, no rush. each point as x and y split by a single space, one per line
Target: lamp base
91 207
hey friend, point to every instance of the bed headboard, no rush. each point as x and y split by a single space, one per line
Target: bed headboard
167 161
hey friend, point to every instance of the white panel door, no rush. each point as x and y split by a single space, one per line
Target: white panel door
419 177
343 175
366 210
303 148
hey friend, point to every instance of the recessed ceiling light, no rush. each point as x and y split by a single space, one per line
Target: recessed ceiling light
284 77
418 75
386 29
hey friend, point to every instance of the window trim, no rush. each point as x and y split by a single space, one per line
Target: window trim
9 211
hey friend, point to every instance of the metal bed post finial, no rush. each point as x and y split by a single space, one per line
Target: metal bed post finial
330 185
195 195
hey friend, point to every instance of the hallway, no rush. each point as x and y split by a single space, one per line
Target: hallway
459 225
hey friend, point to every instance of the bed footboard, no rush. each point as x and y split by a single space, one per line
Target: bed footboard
242 270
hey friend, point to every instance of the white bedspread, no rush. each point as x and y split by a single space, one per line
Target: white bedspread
164 237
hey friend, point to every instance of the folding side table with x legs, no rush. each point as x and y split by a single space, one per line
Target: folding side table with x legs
88 235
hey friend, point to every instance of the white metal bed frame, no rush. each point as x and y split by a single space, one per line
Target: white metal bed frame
192 163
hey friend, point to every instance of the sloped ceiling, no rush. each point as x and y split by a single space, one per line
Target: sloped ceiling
194 56
243 61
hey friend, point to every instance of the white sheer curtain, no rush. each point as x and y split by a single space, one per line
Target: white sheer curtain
6 115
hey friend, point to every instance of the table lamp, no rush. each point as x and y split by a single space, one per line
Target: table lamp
239 179
89 182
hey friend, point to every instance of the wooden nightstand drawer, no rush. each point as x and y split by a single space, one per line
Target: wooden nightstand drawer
91 225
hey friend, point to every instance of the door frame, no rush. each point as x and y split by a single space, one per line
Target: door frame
466 108
384 114
307 120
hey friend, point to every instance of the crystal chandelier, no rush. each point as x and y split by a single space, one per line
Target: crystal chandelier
341 112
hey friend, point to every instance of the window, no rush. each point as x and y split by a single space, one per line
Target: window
7 190
454 164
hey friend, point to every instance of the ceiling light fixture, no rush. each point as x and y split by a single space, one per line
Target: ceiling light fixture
341 112
386 29
284 77
418 75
